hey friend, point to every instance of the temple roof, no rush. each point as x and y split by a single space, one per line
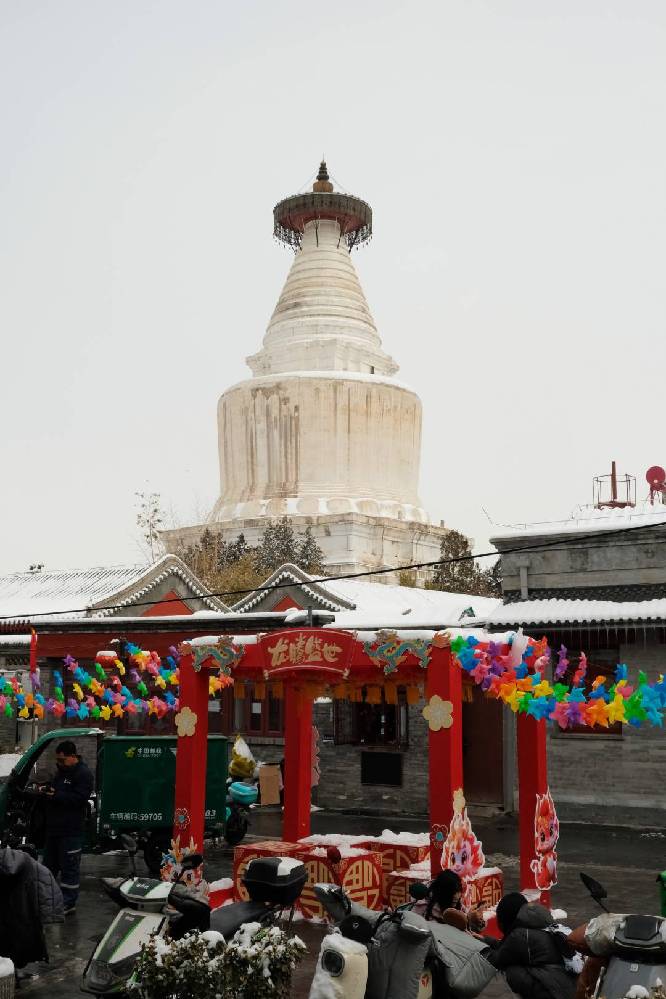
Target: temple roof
360 603
82 592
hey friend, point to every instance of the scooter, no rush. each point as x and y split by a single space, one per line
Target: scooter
354 959
151 907
636 948
144 912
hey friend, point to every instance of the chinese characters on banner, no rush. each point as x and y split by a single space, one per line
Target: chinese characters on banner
312 648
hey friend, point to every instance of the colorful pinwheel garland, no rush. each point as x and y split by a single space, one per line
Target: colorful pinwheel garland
138 682
526 689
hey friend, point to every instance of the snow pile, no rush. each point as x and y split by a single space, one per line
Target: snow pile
7 968
346 852
223 884
7 763
389 838
212 938
333 839
287 865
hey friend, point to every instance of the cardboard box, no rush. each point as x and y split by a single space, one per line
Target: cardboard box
488 887
360 876
266 848
269 784
395 857
398 882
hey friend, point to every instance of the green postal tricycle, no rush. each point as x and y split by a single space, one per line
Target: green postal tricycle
135 779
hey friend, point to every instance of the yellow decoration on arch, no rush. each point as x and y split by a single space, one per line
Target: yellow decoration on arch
186 722
438 713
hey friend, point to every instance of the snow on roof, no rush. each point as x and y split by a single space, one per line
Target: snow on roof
405 604
556 611
14 641
76 591
588 519
360 603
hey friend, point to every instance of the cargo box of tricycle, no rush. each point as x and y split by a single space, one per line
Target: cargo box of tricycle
137 780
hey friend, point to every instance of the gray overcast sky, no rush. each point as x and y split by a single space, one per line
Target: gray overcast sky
514 154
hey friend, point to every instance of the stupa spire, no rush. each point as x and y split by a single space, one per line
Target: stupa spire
322 185
322 321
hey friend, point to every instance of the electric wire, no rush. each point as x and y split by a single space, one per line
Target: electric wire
615 532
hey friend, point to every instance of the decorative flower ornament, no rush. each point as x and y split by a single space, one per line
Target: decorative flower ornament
438 835
181 818
186 722
438 713
442 640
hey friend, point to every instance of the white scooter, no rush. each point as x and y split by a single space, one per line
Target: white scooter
144 911
347 964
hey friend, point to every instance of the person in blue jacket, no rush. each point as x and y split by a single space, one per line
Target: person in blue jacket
66 798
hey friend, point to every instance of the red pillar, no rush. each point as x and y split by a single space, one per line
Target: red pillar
191 755
297 763
532 781
445 767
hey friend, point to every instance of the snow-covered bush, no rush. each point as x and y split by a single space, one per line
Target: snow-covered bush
190 968
259 962
256 964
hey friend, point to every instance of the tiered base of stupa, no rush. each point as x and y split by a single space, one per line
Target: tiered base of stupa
351 542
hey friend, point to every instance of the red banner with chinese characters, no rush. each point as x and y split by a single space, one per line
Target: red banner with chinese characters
306 651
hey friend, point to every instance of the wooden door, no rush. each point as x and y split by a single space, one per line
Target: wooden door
483 748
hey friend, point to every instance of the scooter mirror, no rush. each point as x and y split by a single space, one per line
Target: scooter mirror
191 862
419 891
129 843
596 890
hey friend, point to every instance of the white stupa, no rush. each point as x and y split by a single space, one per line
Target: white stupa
322 432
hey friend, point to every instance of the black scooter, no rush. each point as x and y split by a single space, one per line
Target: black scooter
637 949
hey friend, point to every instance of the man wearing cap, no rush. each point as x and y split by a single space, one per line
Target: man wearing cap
67 798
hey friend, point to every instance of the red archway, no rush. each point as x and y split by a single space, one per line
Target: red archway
301 660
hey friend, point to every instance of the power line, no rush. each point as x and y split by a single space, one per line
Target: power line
350 575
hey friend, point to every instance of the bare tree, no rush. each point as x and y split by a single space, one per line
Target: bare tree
149 519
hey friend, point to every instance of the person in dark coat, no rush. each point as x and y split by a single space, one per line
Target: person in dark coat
67 799
530 954
29 899
446 894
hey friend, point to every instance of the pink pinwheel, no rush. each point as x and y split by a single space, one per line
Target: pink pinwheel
581 672
562 663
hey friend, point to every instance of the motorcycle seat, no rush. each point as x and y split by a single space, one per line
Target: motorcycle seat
641 933
229 918
642 927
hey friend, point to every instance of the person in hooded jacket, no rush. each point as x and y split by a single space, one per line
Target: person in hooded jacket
531 953
29 899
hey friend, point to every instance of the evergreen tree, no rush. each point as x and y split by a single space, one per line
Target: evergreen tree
310 556
237 550
460 576
278 545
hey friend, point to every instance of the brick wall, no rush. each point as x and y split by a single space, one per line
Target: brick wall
610 779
